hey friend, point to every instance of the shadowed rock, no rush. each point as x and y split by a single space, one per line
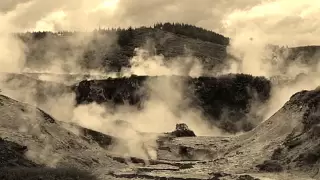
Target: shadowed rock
44 174
182 130
270 166
102 139
12 155
15 166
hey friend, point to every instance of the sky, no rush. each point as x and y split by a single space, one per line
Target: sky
293 22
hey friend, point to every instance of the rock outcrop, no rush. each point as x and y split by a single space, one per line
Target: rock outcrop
182 130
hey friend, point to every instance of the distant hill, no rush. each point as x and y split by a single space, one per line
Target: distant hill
111 49
193 32
301 56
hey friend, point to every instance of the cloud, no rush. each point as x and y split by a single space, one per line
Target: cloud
294 21
33 14
281 22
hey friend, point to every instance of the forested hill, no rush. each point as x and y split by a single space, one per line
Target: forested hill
111 49
193 32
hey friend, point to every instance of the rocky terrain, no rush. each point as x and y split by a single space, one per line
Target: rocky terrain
61 121
283 147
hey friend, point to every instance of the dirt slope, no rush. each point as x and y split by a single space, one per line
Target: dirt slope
40 141
286 143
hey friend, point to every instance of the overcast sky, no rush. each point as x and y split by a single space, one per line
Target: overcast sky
293 22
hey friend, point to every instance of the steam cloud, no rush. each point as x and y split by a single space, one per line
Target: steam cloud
251 24
160 113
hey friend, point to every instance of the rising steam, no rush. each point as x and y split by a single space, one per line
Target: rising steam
255 34
251 25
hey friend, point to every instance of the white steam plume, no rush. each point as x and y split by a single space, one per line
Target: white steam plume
254 30
165 107
146 64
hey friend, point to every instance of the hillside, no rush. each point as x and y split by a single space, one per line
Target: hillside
27 131
111 50
283 147
285 58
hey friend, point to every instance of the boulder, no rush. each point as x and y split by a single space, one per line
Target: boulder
182 130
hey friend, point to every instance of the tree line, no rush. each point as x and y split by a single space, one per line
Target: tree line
99 53
126 34
193 32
